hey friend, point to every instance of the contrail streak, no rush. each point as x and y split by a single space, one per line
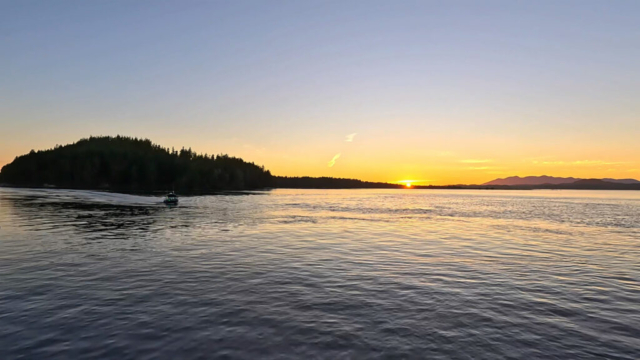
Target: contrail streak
333 161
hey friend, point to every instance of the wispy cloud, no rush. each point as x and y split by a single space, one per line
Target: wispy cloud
350 137
578 163
480 168
333 161
475 161
596 162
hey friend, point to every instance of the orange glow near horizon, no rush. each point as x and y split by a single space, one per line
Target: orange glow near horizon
366 160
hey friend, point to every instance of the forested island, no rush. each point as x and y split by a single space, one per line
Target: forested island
132 165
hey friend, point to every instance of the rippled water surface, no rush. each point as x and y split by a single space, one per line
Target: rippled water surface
321 274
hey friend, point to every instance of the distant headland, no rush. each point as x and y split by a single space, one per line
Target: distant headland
126 164
551 180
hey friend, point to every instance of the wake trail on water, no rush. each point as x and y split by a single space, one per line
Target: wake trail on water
87 196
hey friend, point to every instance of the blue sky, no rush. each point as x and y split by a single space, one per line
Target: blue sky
282 82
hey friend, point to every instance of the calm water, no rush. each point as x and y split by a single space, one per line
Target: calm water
321 274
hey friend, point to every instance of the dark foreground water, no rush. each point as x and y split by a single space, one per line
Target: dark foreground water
321 274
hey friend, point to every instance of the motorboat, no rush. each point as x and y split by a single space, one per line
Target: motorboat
171 199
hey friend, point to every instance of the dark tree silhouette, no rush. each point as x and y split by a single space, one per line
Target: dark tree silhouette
130 164
306 182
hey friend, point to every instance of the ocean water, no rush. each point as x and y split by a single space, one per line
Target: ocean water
322 274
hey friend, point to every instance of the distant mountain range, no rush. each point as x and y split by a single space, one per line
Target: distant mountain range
551 180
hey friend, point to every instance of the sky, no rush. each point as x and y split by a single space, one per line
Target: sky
439 92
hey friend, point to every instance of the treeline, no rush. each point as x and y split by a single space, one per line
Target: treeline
130 164
306 182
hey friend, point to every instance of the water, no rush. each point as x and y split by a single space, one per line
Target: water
321 274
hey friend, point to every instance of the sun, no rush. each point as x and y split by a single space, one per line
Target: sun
409 183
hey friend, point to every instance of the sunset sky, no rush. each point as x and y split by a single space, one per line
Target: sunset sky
438 92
